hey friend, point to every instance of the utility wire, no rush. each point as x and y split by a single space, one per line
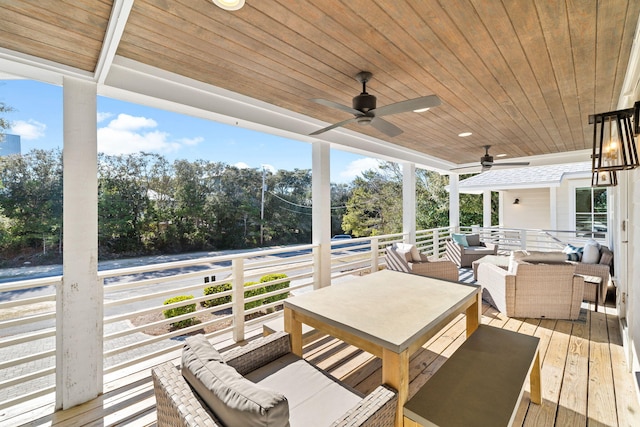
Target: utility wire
301 206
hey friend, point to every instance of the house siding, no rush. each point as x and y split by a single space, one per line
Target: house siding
531 212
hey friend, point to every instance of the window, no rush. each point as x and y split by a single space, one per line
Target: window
591 212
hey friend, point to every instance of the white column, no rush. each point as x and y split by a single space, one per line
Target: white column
321 221
486 208
409 201
454 202
553 208
79 348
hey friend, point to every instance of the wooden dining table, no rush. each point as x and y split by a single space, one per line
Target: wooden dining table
388 314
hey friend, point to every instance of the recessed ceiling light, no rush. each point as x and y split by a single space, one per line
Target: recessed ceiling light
421 110
229 4
501 155
465 134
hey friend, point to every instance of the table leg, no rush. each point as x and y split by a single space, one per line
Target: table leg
395 373
535 379
474 314
294 328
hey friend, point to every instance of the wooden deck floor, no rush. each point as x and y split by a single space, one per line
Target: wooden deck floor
584 376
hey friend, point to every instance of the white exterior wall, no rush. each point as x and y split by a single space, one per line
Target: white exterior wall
531 212
633 271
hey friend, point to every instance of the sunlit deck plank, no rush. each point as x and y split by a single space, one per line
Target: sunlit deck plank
572 407
601 401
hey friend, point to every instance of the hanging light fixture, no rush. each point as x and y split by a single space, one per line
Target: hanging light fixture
614 146
604 179
229 4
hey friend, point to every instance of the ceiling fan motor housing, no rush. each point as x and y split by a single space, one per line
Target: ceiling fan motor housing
486 159
364 102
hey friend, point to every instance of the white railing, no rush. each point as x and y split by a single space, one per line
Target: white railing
135 329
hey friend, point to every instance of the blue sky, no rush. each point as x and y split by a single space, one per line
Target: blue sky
125 128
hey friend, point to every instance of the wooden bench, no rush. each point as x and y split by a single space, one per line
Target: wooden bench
481 384
309 334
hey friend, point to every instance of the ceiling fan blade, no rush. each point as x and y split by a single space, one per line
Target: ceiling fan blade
332 104
385 127
408 105
511 164
464 167
333 126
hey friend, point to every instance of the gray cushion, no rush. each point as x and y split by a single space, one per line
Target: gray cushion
234 400
539 256
315 399
478 250
473 239
606 256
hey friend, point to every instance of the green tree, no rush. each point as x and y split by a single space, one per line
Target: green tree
375 206
31 198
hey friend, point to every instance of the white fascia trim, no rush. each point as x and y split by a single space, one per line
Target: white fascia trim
631 85
34 68
117 22
143 84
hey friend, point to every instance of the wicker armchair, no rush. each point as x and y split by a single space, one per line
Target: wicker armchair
439 268
464 256
179 405
549 291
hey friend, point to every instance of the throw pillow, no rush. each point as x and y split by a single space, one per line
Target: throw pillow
573 253
591 253
234 399
410 252
460 239
606 256
473 239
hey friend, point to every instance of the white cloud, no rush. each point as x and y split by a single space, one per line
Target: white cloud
270 168
130 123
241 165
191 141
28 130
356 168
130 134
102 116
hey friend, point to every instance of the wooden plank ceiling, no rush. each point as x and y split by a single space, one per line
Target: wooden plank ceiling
521 75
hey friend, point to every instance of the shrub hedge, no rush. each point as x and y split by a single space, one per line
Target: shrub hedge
177 311
212 290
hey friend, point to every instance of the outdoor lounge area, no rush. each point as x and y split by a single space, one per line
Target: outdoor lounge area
583 373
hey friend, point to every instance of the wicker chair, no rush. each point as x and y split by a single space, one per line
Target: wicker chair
438 268
179 405
549 291
464 256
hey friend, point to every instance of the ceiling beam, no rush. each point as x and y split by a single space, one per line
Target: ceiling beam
117 22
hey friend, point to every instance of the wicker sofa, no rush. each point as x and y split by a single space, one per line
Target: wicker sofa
311 397
464 255
406 258
551 291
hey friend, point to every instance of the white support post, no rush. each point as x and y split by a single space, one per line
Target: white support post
454 202
374 254
486 208
409 202
321 213
237 271
436 243
553 208
80 298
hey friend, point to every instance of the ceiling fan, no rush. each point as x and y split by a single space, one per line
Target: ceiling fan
487 163
365 111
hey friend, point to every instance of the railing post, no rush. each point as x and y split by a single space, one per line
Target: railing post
374 254
436 243
237 267
523 240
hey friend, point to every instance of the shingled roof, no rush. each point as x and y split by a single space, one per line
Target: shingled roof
526 177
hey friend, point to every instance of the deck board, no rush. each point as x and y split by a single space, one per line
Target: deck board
584 376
